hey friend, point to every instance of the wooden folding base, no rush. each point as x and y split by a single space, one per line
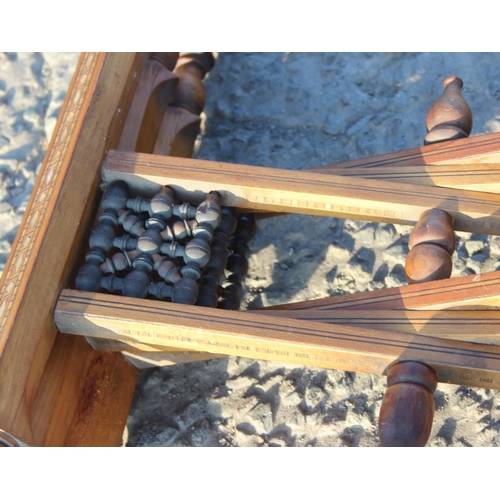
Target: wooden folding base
56 390
382 330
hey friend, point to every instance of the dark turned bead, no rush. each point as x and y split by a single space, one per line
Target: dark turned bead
245 228
125 243
182 229
191 271
239 247
450 117
185 291
166 59
427 262
108 217
166 269
185 211
88 278
95 258
218 260
209 211
156 223
207 296
229 301
203 231
143 262
132 223
101 238
407 408
162 203
136 284
138 204
149 241
228 221
238 266
434 226
160 290
112 284
115 197
119 262
197 251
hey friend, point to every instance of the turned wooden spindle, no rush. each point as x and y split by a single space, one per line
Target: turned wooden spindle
431 243
154 93
407 409
237 263
181 123
450 117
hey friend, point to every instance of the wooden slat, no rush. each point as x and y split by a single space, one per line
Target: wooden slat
150 356
483 177
476 291
268 337
43 255
302 192
470 326
470 150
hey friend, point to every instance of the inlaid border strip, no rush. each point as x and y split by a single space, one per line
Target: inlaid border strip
28 239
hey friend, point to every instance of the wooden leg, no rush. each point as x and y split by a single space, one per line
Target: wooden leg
407 409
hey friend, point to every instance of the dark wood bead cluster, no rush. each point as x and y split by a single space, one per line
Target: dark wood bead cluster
169 250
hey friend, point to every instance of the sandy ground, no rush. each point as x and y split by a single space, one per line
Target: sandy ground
288 111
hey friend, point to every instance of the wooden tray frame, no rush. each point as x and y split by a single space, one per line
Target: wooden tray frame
55 390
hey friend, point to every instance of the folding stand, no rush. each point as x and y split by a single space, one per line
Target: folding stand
56 390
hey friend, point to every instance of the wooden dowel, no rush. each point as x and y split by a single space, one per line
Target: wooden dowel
302 192
245 334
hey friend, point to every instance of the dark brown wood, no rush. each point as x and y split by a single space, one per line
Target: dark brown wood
428 262
450 117
407 408
181 122
155 90
431 243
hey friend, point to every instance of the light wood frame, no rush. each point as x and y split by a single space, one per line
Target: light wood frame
55 390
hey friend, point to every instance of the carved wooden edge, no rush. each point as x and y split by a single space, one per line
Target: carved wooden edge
92 116
28 238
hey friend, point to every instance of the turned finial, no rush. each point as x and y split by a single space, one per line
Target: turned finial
191 69
431 243
407 409
450 117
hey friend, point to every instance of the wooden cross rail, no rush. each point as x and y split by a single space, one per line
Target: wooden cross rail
265 336
467 151
476 291
56 390
260 188
483 177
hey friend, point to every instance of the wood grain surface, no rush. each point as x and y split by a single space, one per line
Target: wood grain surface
269 337
306 192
